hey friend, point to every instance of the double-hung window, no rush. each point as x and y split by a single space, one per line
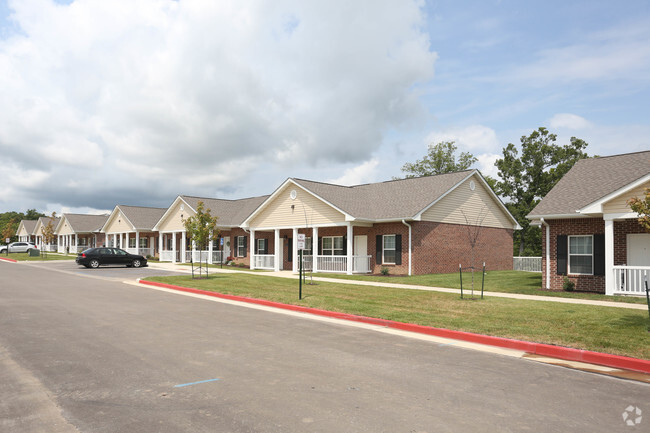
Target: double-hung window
388 249
241 246
581 255
332 245
261 246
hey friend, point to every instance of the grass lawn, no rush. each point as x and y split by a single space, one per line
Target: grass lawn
24 257
602 329
527 283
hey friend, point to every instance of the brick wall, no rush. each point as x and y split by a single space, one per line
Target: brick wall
585 226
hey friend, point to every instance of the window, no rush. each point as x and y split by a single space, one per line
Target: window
144 242
131 242
388 253
307 250
332 245
241 246
581 255
261 246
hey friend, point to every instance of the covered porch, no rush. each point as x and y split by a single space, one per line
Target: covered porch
332 248
134 242
175 247
627 256
75 243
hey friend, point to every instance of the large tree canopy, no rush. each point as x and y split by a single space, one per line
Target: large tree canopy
9 222
441 158
642 207
525 179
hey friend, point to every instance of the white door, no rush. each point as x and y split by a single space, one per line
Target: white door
638 250
226 247
360 252
281 254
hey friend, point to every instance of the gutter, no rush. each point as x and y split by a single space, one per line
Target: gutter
548 253
410 229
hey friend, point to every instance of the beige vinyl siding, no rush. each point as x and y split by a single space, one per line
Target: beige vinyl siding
173 222
23 231
474 204
619 204
38 230
65 228
119 224
308 210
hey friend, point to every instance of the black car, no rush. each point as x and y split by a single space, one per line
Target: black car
96 257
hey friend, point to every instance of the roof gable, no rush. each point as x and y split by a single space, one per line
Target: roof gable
80 223
592 181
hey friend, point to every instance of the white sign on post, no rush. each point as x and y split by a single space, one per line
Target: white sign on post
8 240
301 241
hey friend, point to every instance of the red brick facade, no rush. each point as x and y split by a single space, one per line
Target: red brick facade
436 247
585 226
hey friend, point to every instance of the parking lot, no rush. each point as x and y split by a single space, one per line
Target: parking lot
120 273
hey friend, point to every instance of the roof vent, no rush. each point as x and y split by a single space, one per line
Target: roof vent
472 185
293 194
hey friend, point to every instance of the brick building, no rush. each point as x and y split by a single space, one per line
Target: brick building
589 234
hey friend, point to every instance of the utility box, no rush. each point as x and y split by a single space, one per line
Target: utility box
34 252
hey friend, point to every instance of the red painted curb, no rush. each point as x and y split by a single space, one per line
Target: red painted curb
566 353
5 259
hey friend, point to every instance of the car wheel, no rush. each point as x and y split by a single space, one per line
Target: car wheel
94 263
136 263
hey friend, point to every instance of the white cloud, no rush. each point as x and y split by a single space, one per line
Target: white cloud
100 89
486 164
569 121
364 173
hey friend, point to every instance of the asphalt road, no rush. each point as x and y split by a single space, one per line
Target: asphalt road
81 351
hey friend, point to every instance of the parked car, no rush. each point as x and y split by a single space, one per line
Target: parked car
17 247
96 257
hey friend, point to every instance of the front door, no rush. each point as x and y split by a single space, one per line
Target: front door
638 250
361 263
226 247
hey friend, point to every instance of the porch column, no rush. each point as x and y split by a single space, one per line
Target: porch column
252 249
294 252
276 259
349 248
210 248
137 242
160 244
183 246
609 257
314 249
76 242
173 247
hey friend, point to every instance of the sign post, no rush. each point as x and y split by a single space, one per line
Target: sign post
221 244
7 242
301 247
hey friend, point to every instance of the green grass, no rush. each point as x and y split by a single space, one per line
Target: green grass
527 283
603 329
24 257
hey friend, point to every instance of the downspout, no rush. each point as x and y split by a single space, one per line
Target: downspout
409 226
548 253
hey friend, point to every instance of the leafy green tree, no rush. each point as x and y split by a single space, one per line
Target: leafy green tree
48 233
525 179
201 228
642 207
9 231
441 158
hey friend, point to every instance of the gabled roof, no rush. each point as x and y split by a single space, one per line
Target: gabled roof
392 200
29 225
139 217
44 221
591 180
231 213
82 223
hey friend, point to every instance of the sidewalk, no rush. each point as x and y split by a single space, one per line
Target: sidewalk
291 275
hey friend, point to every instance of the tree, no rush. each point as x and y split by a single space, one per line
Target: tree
9 231
642 207
48 233
201 229
440 159
525 179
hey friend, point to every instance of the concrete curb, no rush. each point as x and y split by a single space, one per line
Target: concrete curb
5 259
566 353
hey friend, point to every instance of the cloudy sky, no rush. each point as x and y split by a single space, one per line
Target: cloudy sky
138 101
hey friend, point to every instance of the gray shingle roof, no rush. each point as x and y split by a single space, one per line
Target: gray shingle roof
82 223
143 218
395 199
29 225
229 212
45 220
590 180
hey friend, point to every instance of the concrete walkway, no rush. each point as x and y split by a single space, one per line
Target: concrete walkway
291 275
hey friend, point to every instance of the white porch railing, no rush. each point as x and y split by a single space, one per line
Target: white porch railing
141 251
217 256
360 264
264 261
630 280
167 256
529 264
49 248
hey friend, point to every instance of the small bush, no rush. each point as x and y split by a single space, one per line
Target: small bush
568 285
385 271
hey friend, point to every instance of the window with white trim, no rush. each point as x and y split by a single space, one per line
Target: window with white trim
261 246
388 249
131 242
332 245
307 250
144 242
241 246
581 255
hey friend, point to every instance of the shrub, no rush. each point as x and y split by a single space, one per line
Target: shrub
568 285
385 271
